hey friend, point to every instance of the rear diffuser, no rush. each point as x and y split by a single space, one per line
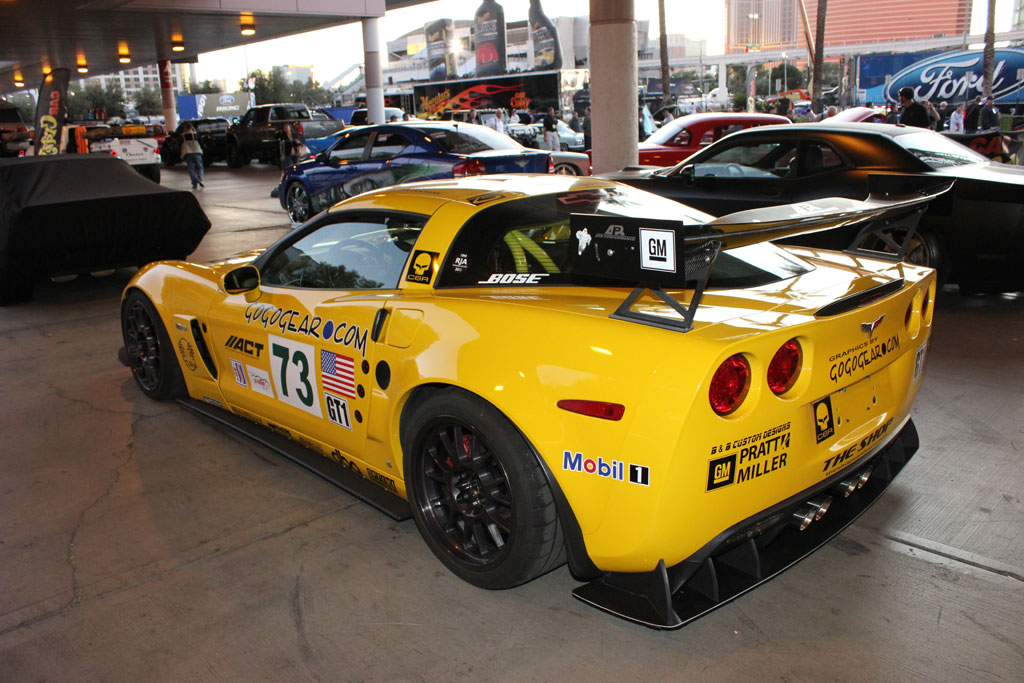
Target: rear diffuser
671 597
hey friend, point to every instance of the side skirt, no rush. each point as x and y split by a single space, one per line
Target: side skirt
391 505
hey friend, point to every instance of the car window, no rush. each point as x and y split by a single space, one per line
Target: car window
527 242
682 139
937 150
387 145
362 252
248 118
288 113
468 138
750 159
815 157
349 148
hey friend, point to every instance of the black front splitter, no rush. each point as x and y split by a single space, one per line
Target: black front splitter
671 597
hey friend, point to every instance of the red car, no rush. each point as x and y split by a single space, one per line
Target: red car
685 135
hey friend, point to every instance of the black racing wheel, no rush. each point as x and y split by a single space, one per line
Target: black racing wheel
477 493
298 202
150 353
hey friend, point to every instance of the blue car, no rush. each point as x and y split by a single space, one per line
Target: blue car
371 157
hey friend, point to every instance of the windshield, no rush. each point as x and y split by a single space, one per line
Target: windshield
468 138
937 150
665 133
529 240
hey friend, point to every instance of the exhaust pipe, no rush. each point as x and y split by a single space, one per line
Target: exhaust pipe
803 516
820 506
863 477
848 486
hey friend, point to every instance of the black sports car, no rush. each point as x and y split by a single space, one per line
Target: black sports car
974 236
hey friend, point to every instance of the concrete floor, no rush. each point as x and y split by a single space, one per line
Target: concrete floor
140 542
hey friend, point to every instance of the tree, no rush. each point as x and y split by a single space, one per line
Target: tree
819 57
93 98
268 88
207 87
148 102
666 80
310 93
988 62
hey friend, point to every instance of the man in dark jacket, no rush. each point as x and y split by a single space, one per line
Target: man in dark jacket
913 113
972 115
989 119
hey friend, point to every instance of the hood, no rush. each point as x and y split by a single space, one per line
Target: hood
632 173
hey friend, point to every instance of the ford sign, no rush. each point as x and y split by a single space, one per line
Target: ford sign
227 99
958 76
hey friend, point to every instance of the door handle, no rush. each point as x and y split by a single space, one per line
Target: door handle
378 323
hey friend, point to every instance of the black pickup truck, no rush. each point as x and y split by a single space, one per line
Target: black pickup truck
255 134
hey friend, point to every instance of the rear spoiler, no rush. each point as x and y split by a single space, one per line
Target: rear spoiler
657 254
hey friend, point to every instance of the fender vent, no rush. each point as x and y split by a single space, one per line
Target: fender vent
204 352
854 301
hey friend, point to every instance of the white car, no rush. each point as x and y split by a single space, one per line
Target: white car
142 154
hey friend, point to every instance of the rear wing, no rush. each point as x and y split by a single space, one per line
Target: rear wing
658 254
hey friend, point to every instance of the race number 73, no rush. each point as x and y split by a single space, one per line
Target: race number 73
293 368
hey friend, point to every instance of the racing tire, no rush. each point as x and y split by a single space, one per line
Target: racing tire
150 352
14 287
924 249
234 156
478 495
298 204
566 169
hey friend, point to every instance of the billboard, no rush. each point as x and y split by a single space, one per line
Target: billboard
950 76
215 105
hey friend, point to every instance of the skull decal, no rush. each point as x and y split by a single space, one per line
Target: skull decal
823 417
421 264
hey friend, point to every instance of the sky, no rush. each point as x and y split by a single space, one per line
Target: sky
331 51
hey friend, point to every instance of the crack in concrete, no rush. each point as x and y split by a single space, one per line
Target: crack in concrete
166 572
951 554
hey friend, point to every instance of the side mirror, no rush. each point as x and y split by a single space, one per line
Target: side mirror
687 173
242 280
321 158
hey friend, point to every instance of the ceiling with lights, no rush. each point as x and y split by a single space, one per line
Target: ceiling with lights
102 36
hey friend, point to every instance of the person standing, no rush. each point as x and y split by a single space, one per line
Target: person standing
913 112
550 128
934 118
286 140
586 129
989 115
956 119
496 122
971 115
192 153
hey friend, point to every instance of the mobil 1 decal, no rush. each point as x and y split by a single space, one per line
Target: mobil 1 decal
638 250
750 457
616 470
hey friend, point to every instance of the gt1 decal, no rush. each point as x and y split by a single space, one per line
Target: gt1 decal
337 410
513 279
752 457
919 361
259 380
658 250
241 378
293 368
382 481
424 264
188 354
824 425
270 316
246 346
834 462
861 356
613 469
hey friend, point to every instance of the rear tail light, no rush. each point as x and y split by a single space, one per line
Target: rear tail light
157 150
913 317
551 164
601 409
298 128
785 367
928 307
468 167
729 385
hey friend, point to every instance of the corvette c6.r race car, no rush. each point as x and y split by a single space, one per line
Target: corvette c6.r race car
547 368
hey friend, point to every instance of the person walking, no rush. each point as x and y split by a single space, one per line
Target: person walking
550 128
192 153
956 119
586 129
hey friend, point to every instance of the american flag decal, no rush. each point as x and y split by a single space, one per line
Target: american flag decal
337 373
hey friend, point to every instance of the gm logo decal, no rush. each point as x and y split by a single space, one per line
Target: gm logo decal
721 472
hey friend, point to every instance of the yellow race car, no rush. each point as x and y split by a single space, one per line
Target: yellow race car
546 368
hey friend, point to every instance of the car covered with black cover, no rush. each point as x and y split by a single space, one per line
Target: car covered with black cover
82 213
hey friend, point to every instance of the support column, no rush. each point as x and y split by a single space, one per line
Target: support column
723 84
371 71
613 84
167 94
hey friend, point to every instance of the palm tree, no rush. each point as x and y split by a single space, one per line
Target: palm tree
819 56
988 63
666 81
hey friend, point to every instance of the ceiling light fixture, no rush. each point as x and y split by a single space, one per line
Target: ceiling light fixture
247 25
177 46
83 69
123 54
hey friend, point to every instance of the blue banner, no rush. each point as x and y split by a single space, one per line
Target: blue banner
950 76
